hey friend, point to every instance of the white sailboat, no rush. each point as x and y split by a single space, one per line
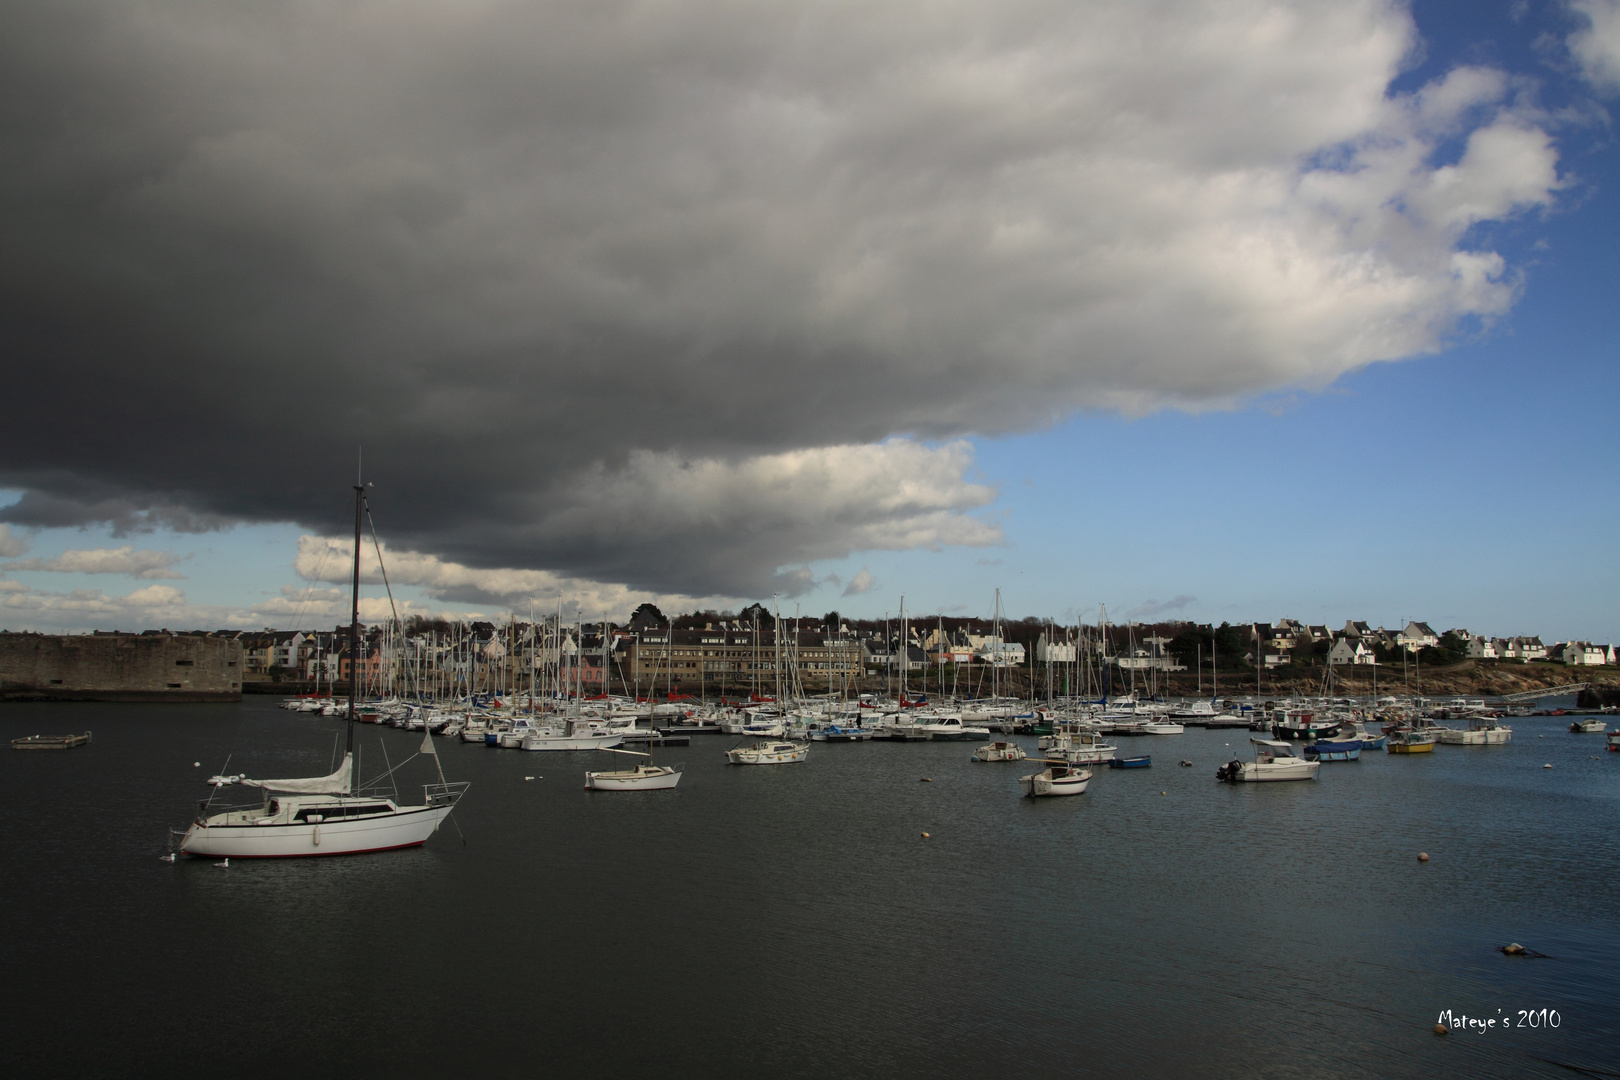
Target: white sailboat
644 777
322 815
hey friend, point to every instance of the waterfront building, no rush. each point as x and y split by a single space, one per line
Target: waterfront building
689 657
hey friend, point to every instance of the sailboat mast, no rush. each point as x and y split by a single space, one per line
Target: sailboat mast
354 611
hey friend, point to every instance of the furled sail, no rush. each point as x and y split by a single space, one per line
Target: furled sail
336 784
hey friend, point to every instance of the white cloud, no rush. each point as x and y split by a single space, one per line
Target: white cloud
755 524
11 545
327 558
144 565
1596 46
860 583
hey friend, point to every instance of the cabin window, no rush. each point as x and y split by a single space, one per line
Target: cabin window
185 663
173 686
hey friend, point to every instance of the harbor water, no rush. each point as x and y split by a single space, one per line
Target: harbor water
797 921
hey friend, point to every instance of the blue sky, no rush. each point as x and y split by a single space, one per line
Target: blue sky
1471 485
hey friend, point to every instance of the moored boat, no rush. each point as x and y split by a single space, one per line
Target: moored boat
768 753
1274 759
1055 780
322 815
1409 741
644 777
1142 761
1338 748
1483 731
1305 726
1587 727
1000 751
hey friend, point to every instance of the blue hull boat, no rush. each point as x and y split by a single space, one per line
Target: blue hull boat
1334 750
1131 762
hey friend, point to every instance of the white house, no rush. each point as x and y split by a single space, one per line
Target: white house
1001 653
1348 651
284 653
1584 653
1417 635
1482 648
1056 652
1522 648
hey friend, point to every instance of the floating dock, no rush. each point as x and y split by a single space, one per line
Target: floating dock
50 742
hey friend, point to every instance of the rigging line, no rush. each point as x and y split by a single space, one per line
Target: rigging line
375 780
377 546
383 744
298 622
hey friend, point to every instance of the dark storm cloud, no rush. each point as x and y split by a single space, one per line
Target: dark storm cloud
595 284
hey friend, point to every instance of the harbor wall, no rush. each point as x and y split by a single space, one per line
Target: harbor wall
119 667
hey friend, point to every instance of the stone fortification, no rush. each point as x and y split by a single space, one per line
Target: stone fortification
120 667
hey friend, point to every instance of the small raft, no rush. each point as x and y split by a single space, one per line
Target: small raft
49 742
1142 762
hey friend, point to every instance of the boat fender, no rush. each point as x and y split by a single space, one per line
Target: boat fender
317 835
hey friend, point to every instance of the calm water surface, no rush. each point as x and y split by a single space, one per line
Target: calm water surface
794 922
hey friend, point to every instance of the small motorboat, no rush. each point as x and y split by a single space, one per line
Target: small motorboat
768 753
1055 780
1274 759
1411 741
1000 751
1140 762
1587 727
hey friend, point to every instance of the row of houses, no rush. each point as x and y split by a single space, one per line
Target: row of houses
1359 643
483 654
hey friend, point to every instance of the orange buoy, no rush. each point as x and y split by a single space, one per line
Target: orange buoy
925 836
1423 856
1440 1029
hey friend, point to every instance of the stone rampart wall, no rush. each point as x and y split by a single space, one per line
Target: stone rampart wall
120 667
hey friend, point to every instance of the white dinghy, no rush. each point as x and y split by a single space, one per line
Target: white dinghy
1056 779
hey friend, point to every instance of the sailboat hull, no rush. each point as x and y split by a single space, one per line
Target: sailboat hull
654 778
410 827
